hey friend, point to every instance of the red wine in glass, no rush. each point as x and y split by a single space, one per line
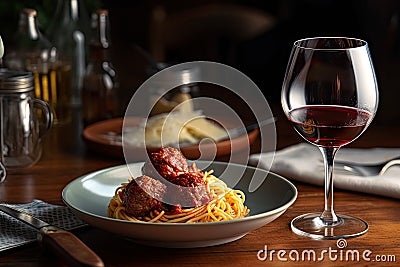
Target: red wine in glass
330 95
329 126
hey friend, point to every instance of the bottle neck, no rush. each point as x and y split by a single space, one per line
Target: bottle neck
100 43
28 26
29 39
101 30
73 9
70 15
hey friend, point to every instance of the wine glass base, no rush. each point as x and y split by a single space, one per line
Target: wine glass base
311 225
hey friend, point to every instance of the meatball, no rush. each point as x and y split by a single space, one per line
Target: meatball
190 191
142 195
187 186
167 162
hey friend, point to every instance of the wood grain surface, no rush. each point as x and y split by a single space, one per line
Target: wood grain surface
66 157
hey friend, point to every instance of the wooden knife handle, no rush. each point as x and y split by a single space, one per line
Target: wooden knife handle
68 246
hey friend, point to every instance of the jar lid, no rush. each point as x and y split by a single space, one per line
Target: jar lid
15 81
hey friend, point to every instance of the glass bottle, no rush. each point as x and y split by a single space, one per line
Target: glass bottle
100 84
33 52
69 32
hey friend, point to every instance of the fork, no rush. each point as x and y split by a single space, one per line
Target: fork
238 131
365 170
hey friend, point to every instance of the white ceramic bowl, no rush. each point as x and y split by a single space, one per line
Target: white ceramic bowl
88 197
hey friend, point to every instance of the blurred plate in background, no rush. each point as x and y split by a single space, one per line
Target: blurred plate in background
105 137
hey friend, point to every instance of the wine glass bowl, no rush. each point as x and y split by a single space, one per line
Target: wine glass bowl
330 95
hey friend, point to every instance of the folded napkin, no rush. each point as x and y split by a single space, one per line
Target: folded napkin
303 162
15 233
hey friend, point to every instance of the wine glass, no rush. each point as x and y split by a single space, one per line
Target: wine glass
330 95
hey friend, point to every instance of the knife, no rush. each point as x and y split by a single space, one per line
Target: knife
62 242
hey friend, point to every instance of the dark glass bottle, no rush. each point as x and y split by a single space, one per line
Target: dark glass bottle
100 83
69 32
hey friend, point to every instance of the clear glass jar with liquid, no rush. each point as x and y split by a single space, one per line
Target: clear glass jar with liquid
32 51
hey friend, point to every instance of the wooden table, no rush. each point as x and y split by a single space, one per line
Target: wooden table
66 158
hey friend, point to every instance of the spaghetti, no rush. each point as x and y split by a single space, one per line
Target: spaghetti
226 204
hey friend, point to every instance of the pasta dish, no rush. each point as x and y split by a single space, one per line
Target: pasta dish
171 191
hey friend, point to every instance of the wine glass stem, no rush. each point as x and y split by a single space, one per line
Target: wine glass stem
328 216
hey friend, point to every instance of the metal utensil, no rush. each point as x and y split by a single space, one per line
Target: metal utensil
364 169
64 243
235 132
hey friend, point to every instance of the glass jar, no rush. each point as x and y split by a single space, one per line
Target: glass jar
24 119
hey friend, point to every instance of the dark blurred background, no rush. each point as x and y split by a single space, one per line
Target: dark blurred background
253 36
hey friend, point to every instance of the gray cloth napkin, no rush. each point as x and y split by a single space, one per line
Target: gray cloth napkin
15 233
303 162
